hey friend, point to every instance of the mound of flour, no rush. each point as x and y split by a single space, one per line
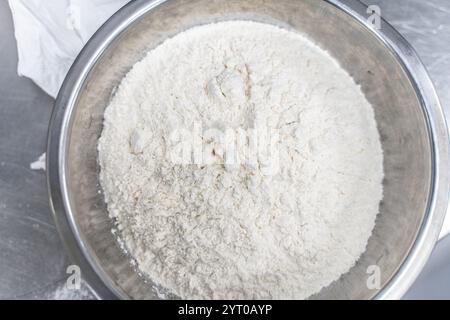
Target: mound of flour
249 229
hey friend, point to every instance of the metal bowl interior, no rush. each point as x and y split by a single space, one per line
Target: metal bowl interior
407 112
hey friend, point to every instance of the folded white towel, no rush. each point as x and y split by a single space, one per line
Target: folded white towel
51 33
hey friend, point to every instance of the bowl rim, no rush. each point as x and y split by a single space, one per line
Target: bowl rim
58 133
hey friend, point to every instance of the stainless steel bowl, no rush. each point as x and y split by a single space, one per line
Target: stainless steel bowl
410 120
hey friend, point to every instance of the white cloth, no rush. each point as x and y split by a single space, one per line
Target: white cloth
51 33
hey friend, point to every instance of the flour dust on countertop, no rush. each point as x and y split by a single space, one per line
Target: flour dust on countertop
279 224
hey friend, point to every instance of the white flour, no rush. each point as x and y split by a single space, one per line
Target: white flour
242 231
39 164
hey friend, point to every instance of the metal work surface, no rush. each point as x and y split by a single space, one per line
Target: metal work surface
32 260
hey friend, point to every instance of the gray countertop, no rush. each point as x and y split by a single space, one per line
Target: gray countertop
32 260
